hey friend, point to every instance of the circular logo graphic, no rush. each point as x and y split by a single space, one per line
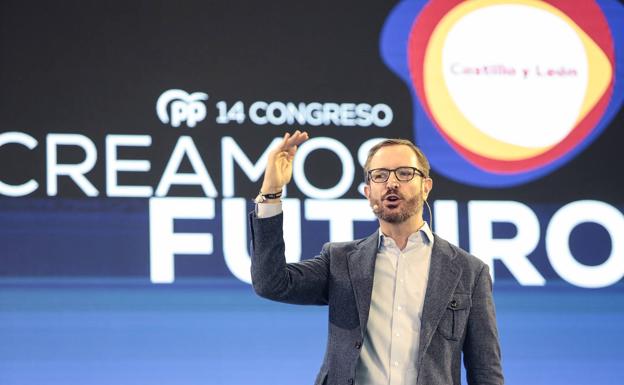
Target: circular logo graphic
506 91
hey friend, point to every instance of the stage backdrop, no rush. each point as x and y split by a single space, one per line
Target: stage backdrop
134 134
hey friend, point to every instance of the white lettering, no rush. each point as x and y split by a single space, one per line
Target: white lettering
446 221
346 160
235 242
377 112
558 247
316 114
184 107
363 113
230 152
512 252
276 113
114 165
347 114
165 243
253 113
28 142
74 171
200 176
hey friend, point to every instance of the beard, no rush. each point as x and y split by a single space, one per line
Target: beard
410 208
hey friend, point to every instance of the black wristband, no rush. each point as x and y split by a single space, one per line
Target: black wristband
263 197
272 195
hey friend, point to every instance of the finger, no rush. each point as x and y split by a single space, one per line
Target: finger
297 138
292 140
282 146
302 137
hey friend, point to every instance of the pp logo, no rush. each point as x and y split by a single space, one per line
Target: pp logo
177 106
507 91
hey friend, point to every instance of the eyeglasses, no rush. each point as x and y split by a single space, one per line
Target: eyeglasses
404 174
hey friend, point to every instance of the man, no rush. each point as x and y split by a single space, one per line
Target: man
403 303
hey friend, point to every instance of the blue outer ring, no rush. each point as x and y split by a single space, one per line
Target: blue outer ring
443 158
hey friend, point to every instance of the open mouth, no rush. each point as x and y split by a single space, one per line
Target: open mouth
392 200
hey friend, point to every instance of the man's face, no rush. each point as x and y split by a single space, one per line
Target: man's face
397 201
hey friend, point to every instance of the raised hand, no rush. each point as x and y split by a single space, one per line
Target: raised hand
279 166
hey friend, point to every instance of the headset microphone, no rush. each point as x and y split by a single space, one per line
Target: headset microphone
430 216
375 208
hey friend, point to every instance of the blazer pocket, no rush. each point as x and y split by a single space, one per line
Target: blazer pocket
453 322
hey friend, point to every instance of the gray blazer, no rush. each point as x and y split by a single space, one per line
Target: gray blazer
458 313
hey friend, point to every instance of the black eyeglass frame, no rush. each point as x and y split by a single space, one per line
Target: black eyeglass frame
414 169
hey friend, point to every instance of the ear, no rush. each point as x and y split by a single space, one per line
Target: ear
367 191
426 187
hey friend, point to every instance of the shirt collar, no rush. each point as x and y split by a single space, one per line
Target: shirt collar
424 229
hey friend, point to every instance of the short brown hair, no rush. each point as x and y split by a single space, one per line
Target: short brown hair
422 159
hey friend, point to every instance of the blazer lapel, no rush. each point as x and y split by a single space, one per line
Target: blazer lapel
443 278
361 262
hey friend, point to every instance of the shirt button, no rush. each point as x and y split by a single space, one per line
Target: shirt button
397 334
396 363
399 307
358 345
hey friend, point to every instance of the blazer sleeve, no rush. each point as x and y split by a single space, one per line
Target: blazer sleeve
482 355
272 278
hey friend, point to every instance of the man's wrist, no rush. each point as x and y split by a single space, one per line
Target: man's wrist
268 197
271 189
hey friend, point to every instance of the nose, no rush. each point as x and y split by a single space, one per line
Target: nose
393 181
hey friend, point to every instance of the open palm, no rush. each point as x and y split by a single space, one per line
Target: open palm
279 166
